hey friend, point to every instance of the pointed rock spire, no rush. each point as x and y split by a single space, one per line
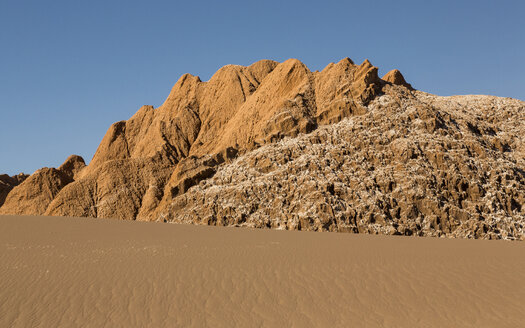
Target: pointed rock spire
395 77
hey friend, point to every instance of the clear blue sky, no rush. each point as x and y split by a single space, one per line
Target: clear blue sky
68 69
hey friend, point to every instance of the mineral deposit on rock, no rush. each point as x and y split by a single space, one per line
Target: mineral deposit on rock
274 145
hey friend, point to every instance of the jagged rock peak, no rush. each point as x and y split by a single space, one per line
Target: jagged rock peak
73 165
237 110
277 145
395 77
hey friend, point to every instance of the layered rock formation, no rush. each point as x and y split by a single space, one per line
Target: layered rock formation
276 145
142 164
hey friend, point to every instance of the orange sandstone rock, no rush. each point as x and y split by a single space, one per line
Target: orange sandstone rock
275 145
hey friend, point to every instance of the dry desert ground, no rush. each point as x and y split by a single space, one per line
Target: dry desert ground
72 272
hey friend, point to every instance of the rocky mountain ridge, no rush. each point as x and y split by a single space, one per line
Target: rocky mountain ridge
276 145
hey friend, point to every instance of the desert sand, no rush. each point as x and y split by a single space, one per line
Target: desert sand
71 272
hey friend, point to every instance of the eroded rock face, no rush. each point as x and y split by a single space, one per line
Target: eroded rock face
33 195
414 164
142 164
395 77
123 188
7 183
72 166
274 145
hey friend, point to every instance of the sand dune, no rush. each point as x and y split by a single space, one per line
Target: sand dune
68 272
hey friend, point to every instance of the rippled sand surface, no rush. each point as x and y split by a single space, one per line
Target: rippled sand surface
69 272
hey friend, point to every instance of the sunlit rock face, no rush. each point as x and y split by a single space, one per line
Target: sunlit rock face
274 145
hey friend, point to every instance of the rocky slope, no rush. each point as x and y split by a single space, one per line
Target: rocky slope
416 164
34 194
276 145
7 183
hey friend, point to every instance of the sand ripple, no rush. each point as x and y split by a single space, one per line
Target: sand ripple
59 272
